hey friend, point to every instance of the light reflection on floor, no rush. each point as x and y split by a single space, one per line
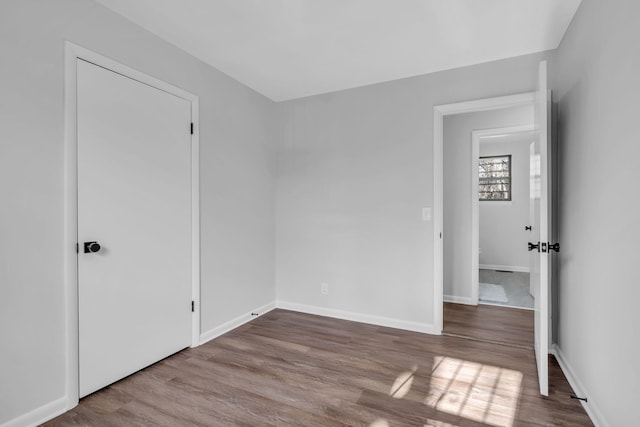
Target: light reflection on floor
483 393
402 384
473 391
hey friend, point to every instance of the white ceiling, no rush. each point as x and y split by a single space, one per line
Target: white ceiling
288 49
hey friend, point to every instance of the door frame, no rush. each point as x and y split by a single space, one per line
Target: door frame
476 136
439 112
72 53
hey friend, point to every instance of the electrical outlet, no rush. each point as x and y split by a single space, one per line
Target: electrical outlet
324 288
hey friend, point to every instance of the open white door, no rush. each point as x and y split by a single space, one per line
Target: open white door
540 220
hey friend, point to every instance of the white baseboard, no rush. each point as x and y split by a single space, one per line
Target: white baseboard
234 323
590 406
459 300
426 328
504 268
39 415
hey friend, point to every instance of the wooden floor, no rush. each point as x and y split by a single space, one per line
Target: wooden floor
490 323
292 369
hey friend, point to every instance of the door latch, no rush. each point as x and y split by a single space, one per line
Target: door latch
554 247
544 247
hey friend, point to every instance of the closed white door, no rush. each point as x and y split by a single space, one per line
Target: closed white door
134 200
540 220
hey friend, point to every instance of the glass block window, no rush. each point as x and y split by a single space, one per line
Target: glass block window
495 178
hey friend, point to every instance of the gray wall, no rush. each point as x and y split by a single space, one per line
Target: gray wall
457 172
598 86
237 183
503 239
355 168
354 171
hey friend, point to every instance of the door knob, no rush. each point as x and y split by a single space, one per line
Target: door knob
91 247
533 246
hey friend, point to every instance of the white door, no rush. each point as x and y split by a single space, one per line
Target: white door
540 220
134 200
534 206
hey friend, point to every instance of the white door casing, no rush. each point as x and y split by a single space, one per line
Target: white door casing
75 264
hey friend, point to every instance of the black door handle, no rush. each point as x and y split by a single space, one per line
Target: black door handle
533 246
91 247
527 227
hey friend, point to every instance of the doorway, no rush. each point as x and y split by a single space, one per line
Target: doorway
486 207
541 208
132 220
500 224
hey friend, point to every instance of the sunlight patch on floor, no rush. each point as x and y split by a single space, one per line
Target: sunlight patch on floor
483 393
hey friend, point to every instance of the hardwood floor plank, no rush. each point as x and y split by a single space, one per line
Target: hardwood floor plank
293 369
490 323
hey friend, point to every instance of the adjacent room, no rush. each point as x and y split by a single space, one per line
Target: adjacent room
487 207
319 213
504 170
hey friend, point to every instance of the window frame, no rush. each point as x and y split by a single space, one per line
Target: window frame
510 178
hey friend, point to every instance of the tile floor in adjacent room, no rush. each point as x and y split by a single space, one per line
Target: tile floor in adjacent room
516 287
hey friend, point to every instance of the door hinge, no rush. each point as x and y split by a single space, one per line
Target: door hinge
77 248
191 128
193 306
